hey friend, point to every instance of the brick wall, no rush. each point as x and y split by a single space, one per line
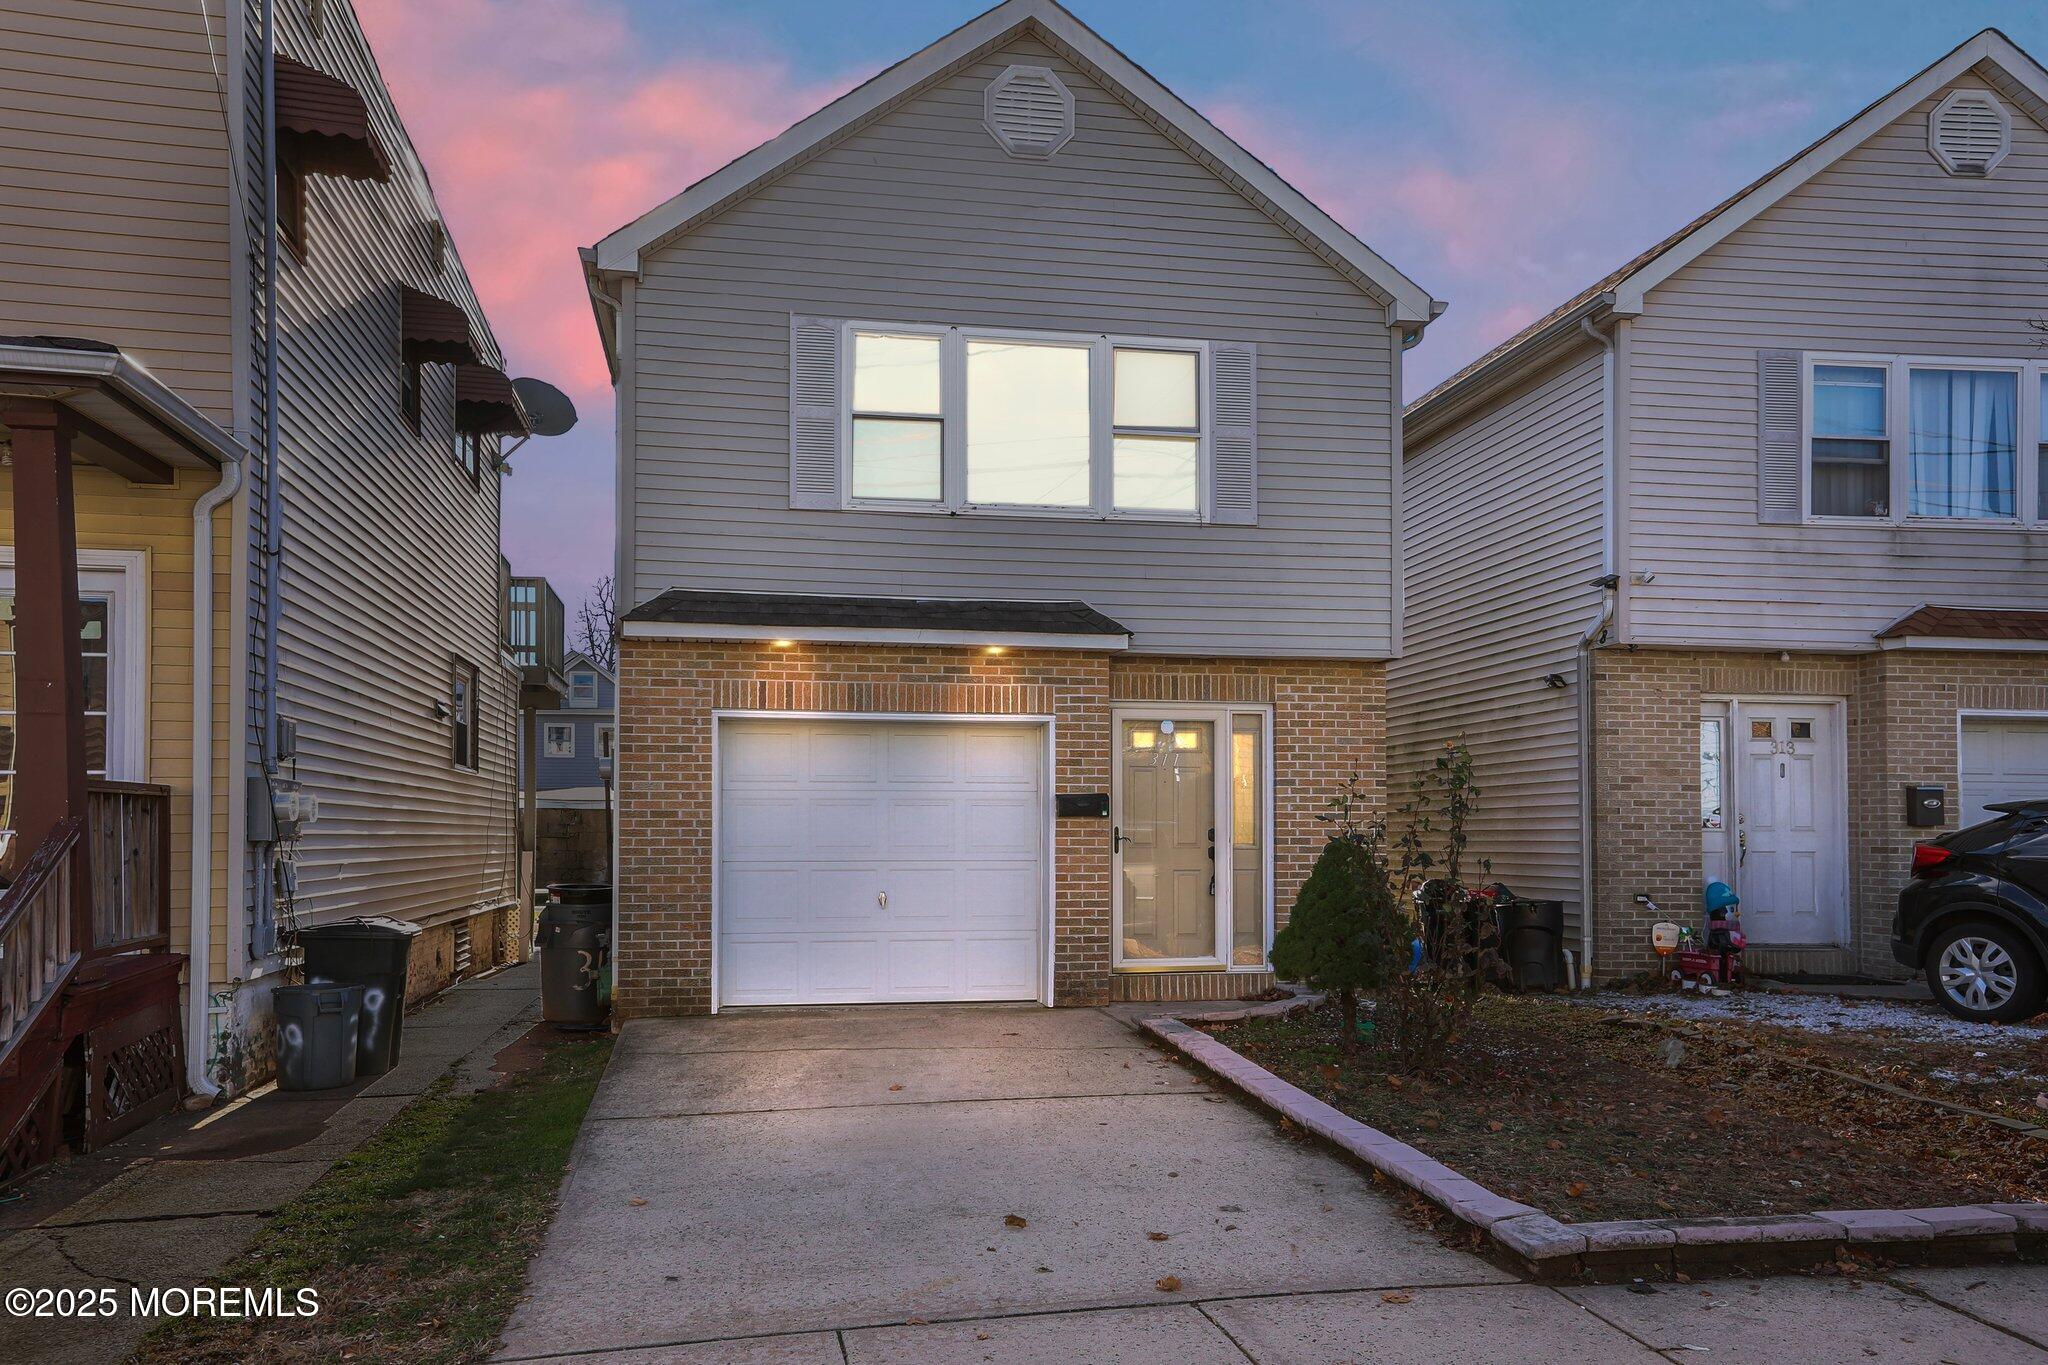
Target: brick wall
1329 721
1901 727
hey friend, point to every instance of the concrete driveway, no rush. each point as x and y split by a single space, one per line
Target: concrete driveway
831 1187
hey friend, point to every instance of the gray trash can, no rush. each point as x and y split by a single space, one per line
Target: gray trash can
370 952
575 938
316 1035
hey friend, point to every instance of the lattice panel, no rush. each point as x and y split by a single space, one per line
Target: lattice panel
146 1069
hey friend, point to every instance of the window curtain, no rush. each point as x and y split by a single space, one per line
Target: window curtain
1964 426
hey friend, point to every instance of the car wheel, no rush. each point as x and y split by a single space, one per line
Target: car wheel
1985 972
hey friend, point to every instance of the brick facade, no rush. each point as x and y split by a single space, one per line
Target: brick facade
1329 722
1900 716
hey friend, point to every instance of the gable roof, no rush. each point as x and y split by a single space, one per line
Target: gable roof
1407 302
2006 67
578 656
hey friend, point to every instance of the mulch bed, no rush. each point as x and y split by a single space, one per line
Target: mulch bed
1560 1107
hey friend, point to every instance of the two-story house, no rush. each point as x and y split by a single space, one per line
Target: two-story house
1007 550
250 539
576 738
1735 567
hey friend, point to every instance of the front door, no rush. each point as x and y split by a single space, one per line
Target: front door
1167 833
1791 821
1192 814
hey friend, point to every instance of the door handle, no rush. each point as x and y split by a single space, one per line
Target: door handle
1741 846
1117 838
882 899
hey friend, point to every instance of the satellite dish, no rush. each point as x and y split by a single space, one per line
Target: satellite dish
547 407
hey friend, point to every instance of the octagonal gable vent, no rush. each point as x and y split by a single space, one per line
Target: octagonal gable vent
1969 132
1029 112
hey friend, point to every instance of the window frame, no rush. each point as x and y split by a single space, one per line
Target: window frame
572 699
604 740
2028 433
953 402
464 714
547 740
290 188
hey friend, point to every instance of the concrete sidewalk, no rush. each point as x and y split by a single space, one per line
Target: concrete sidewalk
171 1204
831 1187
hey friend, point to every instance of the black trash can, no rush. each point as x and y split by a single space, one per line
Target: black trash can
1532 941
575 939
369 952
316 1035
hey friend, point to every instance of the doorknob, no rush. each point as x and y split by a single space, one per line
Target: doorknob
882 899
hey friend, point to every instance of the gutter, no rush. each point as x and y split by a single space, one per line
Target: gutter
127 376
1431 411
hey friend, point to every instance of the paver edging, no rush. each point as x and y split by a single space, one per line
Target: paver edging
1540 1247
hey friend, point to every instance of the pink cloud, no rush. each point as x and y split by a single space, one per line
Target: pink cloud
544 129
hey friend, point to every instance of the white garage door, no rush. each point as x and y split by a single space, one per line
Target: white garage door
2005 758
874 861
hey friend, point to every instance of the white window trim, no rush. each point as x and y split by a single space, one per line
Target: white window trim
1898 400
123 576
952 500
602 733
547 741
1222 718
571 700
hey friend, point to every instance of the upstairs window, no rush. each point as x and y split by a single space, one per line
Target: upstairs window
1964 427
291 203
1851 444
960 420
462 711
898 418
1908 440
582 689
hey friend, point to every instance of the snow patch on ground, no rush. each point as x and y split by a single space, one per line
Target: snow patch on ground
1822 1014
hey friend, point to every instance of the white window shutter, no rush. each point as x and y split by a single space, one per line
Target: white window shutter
814 462
1234 432
1780 435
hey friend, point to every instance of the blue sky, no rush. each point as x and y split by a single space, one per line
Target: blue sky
1502 154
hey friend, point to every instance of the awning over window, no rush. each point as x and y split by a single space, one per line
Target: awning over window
486 403
435 330
324 126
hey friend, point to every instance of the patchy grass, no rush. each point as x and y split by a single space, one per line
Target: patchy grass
1554 1105
417 1242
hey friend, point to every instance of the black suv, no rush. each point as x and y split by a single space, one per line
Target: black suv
1975 915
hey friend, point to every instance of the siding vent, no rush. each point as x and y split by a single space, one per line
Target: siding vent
1029 111
1969 132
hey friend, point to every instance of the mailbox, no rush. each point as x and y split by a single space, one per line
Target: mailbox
1082 805
1926 806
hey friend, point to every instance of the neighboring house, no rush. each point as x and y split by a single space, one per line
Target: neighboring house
1007 542
1778 490
287 618
577 738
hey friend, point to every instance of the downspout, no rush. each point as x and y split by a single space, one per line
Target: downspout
273 533
198 1040
1609 586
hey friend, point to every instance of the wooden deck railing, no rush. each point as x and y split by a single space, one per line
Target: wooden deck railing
128 834
37 946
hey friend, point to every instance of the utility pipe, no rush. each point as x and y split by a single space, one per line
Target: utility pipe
199 967
1609 588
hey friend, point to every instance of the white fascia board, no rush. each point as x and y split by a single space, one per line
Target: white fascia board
619 253
123 372
1990 44
868 635
1970 643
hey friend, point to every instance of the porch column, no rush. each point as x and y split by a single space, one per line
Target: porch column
49 731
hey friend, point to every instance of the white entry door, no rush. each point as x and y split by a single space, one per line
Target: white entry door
864 861
2005 758
1791 822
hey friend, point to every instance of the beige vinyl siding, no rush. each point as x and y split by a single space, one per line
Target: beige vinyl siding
1882 252
920 216
114 185
1501 529
390 565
